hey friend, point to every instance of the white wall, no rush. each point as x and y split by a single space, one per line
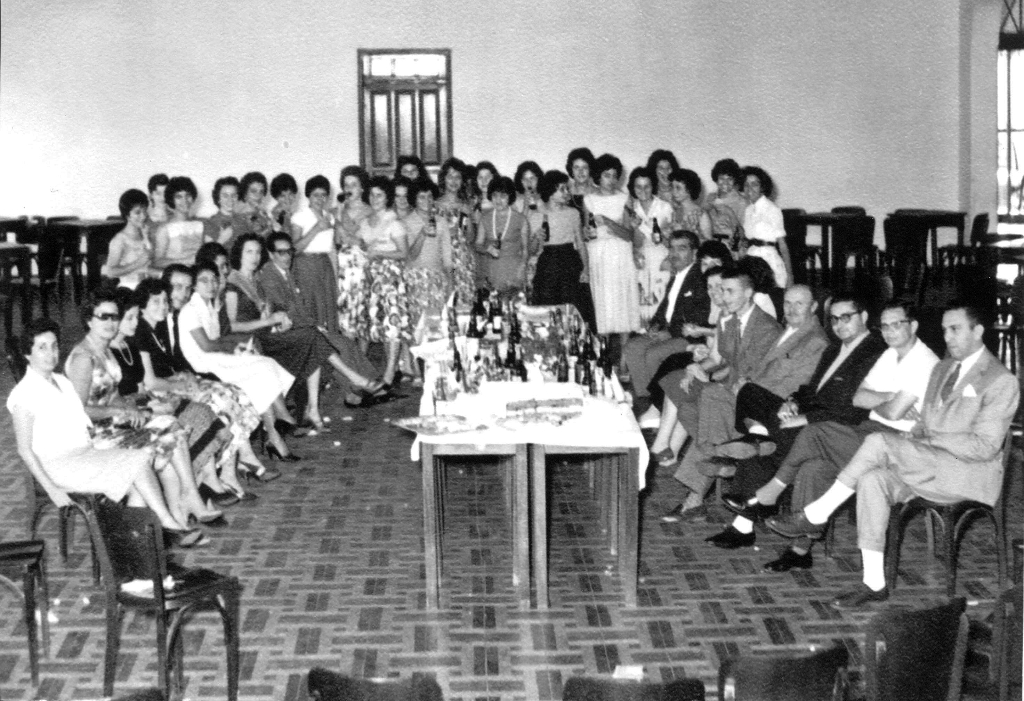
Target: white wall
875 103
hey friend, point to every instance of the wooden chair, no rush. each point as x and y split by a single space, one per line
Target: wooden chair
26 560
854 236
1008 627
805 258
64 258
956 255
325 685
954 518
131 547
821 675
916 654
589 689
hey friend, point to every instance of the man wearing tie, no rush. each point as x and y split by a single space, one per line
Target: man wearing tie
685 302
953 453
178 278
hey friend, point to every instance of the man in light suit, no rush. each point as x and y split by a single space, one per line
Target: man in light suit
686 302
953 453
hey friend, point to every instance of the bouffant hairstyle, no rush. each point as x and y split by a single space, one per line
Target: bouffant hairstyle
425 185
248 179
177 184
409 185
767 185
359 173
642 172
409 159
659 155
581 153
221 183
384 185
156 181
716 250
33 330
524 168
106 292
147 289
446 167
236 250
726 166
282 183
606 161
689 179
502 183
317 182
550 182
210 251
130 200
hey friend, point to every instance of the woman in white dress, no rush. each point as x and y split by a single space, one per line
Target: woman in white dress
763 227
613 252
178 239
262 379
131 254
651 218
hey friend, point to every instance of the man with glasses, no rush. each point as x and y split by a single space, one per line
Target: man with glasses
952 453
893 391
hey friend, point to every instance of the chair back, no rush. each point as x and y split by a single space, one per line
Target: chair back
326 685
851 209
587 689
916 654
854 234
818 676
979 228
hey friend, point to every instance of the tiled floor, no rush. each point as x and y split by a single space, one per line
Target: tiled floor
331 558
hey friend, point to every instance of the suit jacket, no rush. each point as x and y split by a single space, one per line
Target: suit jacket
692 305
743 355
964 436
790 365
180 364
834 401
281 294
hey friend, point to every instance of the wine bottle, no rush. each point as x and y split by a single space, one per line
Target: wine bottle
656 236
546 229
591 226
562 367
520 367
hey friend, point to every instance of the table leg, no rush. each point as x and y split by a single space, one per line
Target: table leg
629 526
538 478
431 531
519 470
612 467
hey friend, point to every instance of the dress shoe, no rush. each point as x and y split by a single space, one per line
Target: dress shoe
678 514
789 560
796 526
749 446
276 454
219 499
860 597
752 512
731 538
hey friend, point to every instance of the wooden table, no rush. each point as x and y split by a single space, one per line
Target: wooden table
826 220
932 220
15 255
92 234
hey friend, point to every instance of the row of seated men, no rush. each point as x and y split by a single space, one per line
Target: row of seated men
786 405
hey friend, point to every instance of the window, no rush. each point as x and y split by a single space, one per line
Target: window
405 107
1010 129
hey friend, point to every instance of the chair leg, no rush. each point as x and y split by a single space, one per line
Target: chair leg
29 587
162 653
177 659
230 606
114 614
952 536
999 522
893 542
65 531
44 604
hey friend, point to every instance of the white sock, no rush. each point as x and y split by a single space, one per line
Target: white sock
874 569
743 525
820 509
758 429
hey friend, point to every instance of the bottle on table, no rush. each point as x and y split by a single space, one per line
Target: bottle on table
562 367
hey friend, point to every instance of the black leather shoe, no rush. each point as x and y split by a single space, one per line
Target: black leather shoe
730 539
789 560
752 512
749 446
795 526
861 597
219 499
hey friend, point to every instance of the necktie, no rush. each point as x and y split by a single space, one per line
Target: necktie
950 383
172 325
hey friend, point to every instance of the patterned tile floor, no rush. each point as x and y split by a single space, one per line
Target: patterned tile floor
331 558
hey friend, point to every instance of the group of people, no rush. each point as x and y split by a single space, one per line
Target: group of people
740 387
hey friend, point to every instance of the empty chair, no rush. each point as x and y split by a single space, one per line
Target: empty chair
326 685
916 654
817 677
590 689
955 254
25 560
854 236
1008 627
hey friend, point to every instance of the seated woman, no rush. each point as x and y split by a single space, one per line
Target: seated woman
262 379
228 223
762 225
163 372
661 164
687 213
54 436
131 254
178 239
255 219
503 240
726 207
300 349
562 264
95 374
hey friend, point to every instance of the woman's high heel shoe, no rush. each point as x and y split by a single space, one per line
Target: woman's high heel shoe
273 452
220 499
252 472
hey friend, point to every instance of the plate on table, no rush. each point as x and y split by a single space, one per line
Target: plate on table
532 420
441 425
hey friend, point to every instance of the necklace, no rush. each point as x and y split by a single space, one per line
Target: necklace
128 358
494 225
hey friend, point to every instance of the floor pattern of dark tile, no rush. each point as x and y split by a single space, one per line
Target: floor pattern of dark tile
331 559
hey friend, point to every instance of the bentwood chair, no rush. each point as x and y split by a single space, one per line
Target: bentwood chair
26 560
325 685
916 654
131 548
1008 628
821 675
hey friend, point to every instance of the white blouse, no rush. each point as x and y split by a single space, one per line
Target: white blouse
60 424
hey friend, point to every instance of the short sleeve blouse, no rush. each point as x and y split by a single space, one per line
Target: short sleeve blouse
60 424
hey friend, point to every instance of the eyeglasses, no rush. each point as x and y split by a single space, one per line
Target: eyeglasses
107 317
284 251
895 325
842 318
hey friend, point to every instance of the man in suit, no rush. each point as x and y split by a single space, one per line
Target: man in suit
179 279
686 302
278 287
953 453
893 390
744 338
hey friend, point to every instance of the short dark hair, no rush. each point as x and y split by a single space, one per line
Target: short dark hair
550 182
524 168
156 181
150 287
179 183
221 182
760 272
248 179
409 185
908 307
317 182
734 273
689 236
859 305
131 199
409 159
716 270
767 184
690 180
714 249
235 259
606 161
659 155
726 166
488 166
384 185
175 268
210 251
208 266
502 183
424 185
125 299
34 329
274 237
106 292
360 174
641 172
442 175
580 153
972 311
282 183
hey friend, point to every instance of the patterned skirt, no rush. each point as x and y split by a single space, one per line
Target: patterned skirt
387 302
464 274
231 406
428 291
163 434
353 314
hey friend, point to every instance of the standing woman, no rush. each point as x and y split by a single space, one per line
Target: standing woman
503 239
727 205
528 203
178 239
613 253
644 211
227 224
429 265
763 227
255 220
315 263
404 202
562 264
688 215
157 211
352 211
578 166
454 205
661 164
131 254
485 173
